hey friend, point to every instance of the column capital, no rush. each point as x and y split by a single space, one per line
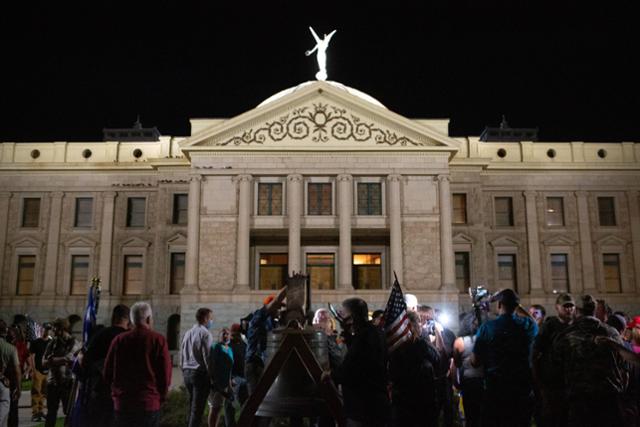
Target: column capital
394 177
245 177
443 178
582 194
530 194
630 193
296 177
344 177
56 194
106 195
195 178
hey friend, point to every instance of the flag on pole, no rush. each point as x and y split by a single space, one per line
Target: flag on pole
90 313
396 322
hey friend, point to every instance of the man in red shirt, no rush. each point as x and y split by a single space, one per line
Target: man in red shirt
138 370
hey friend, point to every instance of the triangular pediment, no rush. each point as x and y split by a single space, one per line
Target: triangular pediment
80 242
27 242
319 116
611 241
136 242
462 238
504 241
559 241
178 239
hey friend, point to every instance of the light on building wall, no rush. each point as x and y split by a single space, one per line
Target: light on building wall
263 261
551 210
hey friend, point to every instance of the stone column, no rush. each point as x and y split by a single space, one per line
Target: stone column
295 199
533 244
193 236
447 259
106 241
395 226
5 197
586 252
634 221
244 232
345 209
53 245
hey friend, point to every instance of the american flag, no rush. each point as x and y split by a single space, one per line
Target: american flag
396 322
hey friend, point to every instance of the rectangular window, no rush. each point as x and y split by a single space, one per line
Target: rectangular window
26 274
30 212
607 211
319 199
269 199
84 212
321 270
180 208
369 198
612 275
367 271
136 211
459 208
463 279
555 211
79 274
133 274
560 272
176 281
507 277
504 211
273 271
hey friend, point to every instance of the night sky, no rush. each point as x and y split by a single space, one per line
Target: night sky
68 71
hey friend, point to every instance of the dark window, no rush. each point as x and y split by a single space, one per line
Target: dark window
84 212
507 277
607 211
79 274
319 199
133 273
369 198
367 271
273 271
504 211
26 274
611 264
463 279
555 211
459 208
177 272
173 332
136 211
30 212
180 208
269 199
560 272
321 270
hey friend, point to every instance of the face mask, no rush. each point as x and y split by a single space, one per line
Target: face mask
210 324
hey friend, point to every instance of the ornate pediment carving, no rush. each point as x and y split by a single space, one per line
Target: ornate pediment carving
319 122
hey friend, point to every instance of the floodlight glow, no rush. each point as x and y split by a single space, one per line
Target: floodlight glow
444 318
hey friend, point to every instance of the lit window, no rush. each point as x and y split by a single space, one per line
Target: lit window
559 272
504 211
273 270
463 281
79 274
30 212
369 198
26 274
459 208
136 211
269 199
176 275
133 273
367 271
607 211
84 212
611 264
555 211
180 209
321 270
319 199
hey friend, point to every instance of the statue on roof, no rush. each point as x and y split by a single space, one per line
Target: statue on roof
321 55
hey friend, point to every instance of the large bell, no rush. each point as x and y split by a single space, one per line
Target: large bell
294 392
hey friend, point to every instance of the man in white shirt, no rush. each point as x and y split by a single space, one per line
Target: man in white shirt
194 356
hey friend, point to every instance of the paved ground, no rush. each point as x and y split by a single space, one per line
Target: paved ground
25 401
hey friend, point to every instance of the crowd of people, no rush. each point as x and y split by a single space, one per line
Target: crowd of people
507 366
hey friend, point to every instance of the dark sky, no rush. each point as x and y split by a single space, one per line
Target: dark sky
68 71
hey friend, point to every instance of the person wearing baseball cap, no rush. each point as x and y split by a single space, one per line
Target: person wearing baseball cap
547 381
503 348
593 375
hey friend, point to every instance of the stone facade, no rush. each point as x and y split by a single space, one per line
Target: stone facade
319 132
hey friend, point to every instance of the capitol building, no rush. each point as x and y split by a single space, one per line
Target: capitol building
321 179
